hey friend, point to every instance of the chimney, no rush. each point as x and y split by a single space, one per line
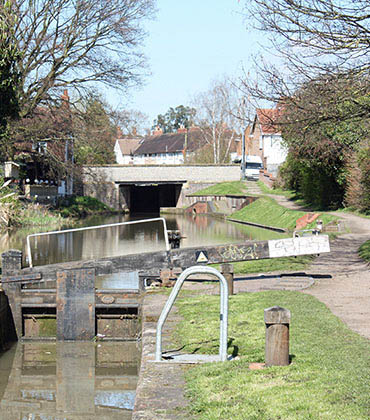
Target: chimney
65 99
182 129
65 96
119 133
157 131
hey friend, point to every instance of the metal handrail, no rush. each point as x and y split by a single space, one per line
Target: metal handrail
224 296
97 227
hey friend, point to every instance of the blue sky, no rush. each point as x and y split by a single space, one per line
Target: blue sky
190 43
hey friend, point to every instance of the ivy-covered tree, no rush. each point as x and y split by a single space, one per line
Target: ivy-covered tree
324 131
9 74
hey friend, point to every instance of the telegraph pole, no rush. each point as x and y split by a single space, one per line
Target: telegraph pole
243 156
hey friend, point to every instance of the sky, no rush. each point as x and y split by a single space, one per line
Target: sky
189 44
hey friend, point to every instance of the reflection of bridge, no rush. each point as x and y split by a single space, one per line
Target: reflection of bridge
70 380
147 188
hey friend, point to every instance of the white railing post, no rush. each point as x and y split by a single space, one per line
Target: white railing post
56 232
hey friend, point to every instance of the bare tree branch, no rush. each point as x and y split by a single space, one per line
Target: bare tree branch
71 42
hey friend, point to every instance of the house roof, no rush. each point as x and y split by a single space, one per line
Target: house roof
129 145
268 120
170 142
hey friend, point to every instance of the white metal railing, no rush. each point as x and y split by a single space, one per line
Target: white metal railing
224 308
56 232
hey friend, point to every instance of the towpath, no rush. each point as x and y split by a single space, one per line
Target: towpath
342 279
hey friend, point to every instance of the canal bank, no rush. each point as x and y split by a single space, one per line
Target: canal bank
160 389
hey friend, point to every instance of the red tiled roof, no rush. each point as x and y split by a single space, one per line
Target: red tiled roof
268 119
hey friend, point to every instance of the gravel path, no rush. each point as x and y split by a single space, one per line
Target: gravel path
342 279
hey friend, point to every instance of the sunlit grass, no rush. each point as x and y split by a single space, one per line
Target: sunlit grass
266 211
329 377
364 251
224 188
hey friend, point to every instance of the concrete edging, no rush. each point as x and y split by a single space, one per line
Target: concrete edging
160 389
276 229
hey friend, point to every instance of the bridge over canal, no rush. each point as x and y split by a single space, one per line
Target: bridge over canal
146 188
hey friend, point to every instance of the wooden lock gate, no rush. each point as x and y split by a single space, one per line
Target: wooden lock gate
76 304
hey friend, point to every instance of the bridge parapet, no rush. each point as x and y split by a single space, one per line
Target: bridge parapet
170 173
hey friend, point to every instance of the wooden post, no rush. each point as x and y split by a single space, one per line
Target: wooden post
75 299
11 266
11 262
227 271
277 322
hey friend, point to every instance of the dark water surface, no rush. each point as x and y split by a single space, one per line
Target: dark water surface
196 231
68 381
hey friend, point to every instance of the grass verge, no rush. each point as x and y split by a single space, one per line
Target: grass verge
329 377
225 188
364 251
276 191
266 211
354 211
273 264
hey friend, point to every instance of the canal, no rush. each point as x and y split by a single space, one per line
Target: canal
196 230
68 381
48 380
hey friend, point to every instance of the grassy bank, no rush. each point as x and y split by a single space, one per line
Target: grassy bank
37 215
327 379
266 211
364 251
79 207
225 188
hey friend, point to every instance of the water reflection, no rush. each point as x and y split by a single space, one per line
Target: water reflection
196 230
68 381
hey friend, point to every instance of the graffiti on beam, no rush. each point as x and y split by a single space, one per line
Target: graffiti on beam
239 253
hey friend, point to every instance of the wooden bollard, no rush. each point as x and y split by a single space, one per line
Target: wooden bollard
227 271
277 322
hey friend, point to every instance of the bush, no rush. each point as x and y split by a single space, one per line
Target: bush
318 185
76 206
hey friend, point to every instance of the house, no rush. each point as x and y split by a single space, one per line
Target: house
43 146
125 147
263 138
168 148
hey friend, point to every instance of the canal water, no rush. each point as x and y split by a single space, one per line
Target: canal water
68 381
97 380
196 230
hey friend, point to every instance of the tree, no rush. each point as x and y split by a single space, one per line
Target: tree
313 38
322 142
131 121
93 131
310 30
73 42
218 117
9 57
321 82
174 118
9 75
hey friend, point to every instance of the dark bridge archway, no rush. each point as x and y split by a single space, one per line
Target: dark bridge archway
149 197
